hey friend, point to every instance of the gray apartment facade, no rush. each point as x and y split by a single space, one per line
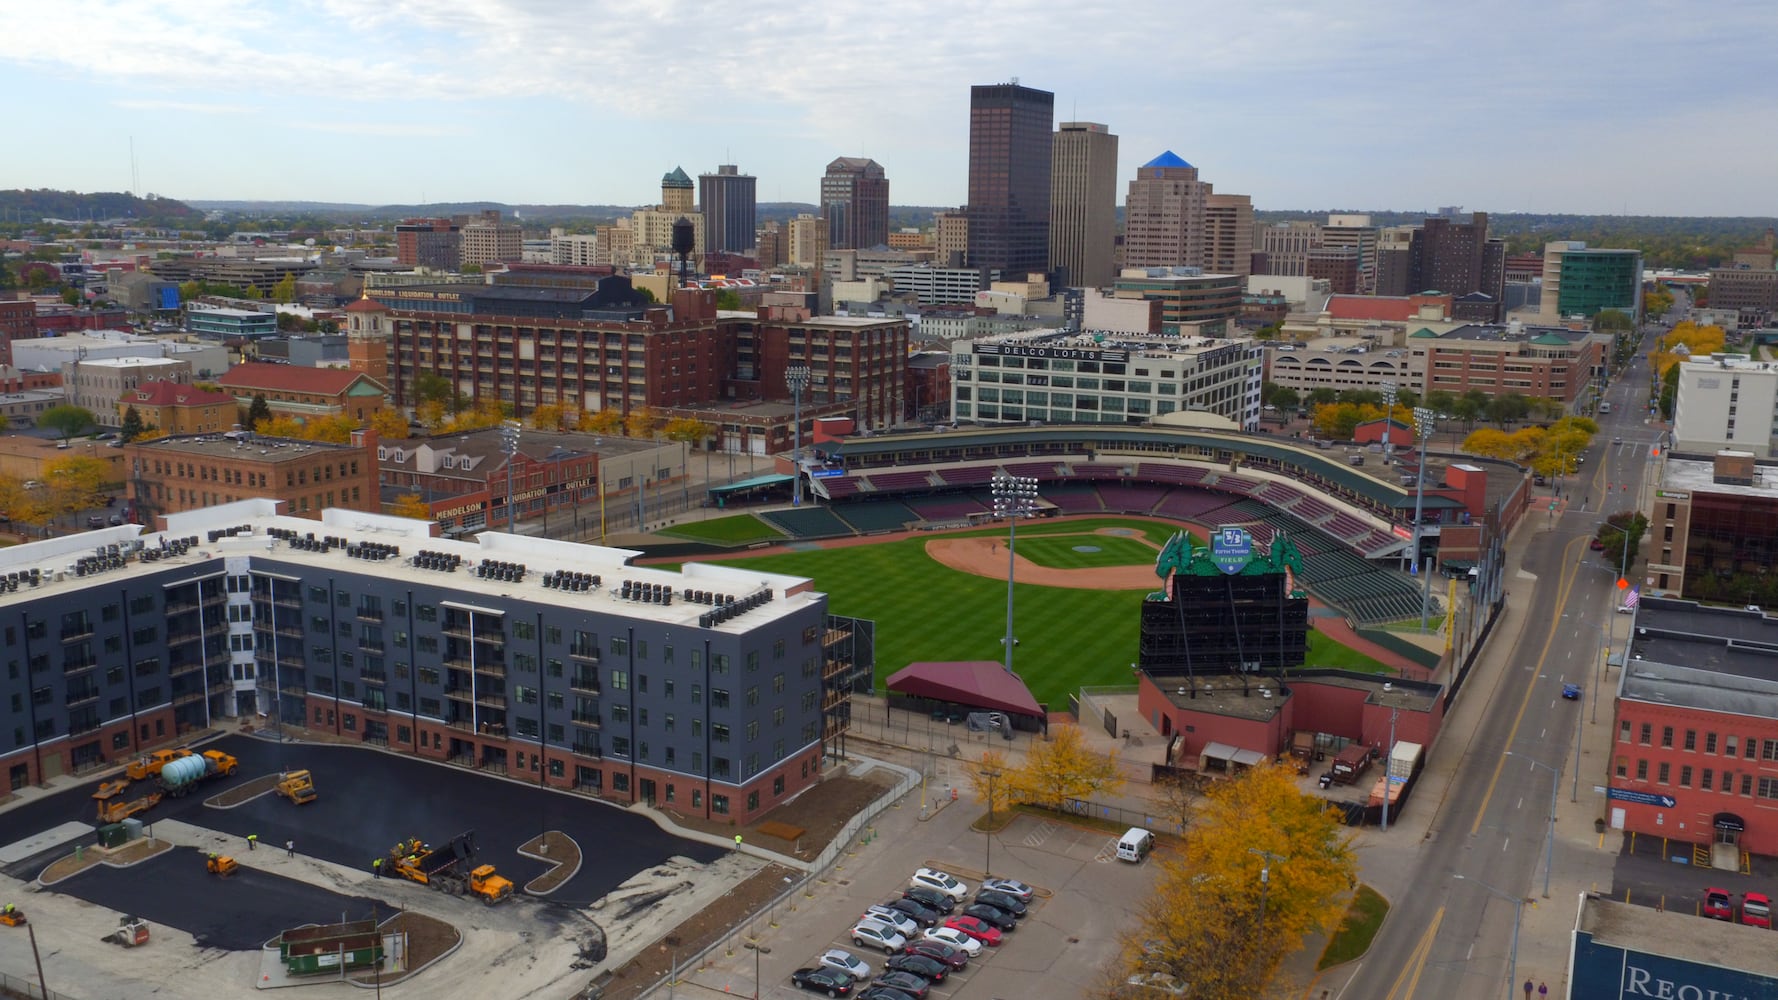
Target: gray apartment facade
710 690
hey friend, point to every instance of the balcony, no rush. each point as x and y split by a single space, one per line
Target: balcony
82 697
588 750
294 691
587 719
183 607
78 726
294 603
72 667
220 687
581 652
369 614
834 698
490 668
459 694
374 677
190 698
81 631
491 700
585 683
184 667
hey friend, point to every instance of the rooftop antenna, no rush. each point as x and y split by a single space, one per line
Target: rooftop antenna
135 178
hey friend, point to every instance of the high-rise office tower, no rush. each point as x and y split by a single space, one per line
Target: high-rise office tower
1164 215
855 202
1083 203
728 200
1010 146
1228 234
676 192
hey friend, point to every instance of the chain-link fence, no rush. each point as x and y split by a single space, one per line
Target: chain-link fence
27 989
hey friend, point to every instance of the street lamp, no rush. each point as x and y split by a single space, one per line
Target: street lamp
1014 497
1265 880
797 378
988 861
1550 836
1423 419
509 444
757 949
1512 962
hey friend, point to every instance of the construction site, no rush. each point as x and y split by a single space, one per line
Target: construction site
251 862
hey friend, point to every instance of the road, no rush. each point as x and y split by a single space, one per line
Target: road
1485 849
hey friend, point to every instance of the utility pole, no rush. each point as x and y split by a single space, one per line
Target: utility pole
1388 763
1423 424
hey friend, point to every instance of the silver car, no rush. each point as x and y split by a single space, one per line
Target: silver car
845 961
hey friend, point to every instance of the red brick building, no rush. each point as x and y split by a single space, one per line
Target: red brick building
305 393
1540 362
170 475
18 321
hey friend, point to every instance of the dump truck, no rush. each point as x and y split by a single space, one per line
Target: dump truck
450 868
179 777
298 787
114 808
149 765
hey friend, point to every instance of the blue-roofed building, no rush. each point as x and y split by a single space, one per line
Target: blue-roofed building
1173 219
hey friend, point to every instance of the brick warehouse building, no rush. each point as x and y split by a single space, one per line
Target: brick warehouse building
173 474
712 690
1696 707
607 348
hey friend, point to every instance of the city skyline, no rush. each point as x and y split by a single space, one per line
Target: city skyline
1577 108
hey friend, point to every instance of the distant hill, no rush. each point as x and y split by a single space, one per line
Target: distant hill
531 214
43 203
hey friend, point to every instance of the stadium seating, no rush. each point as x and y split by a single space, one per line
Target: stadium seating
968 475
1131 498
1163 472
1074 498
951 507
896 481
838 487
870 516
1044 471
807 522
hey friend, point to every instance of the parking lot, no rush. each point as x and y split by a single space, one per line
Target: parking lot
1084 899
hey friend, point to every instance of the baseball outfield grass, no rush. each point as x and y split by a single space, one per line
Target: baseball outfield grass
1067 638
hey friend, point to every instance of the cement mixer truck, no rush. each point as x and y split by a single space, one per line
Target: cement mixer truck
177 777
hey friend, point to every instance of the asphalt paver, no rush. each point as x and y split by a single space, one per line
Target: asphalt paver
238 913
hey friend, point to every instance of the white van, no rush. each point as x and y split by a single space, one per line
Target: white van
1134 845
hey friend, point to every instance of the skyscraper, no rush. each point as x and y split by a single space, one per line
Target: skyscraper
855 202
1010 147
728 200
1083 203
1164 215
1228 234
1444 255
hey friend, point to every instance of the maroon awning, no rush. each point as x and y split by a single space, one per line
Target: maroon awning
977 683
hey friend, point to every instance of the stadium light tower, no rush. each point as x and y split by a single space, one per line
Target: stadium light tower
1388 416
797 378
509 444
1423 417
1014 497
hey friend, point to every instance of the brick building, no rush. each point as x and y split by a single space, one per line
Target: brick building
429 243
305 393
1537 362
177 409
18 321
169 475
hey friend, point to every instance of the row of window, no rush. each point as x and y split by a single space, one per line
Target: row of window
1766 749
1708 779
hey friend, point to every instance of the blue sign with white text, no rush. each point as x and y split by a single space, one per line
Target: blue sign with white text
1231 549
1641 798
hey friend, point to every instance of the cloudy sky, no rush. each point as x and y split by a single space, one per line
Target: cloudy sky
1643 106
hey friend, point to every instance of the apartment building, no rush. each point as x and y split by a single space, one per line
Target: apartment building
98 384
1228 234
1096 377
1751 292
1726 401
580 249
435 244
1538 362
710 690
175 409
1713 526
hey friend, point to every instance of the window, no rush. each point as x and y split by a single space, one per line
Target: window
1709 742
1768 787
524 630
1667 737
1685 776
620 680
620 646
1705 779
620 782
719 804
620 713
620 746
753 696
778 650
426 613
1747 784
1768 749
718 698
1691 739
778 684
718 732
1623 767
1748 746
778 785
1729 746
1623 731
667 721
753 661
719 663
1666 773
1647 733
752 802
667 688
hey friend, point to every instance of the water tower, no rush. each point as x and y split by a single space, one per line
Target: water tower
685 240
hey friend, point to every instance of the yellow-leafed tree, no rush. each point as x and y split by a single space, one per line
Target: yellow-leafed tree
607 422
281 427
333 429
411 505
1699 341
642 422
1063 767
996 794
22 505
689 430
390 425
74 483
547 417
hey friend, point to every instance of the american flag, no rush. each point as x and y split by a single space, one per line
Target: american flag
1632 597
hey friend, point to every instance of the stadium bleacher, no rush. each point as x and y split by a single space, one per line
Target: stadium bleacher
870 516
896 481
1074 498
807 522
969 475
1035 470
1131 498
1097 470
1166 473
951 507
839 486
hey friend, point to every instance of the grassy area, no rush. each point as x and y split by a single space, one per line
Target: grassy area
740 529
1406 625
1356 929
1325 652
1059 551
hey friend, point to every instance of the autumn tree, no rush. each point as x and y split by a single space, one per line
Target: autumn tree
280 427
642 422
411 505
390 425
285 290
1203 925
335 428
132 425
22 505
66 420
1063 768
430 387
75 483
606 422
431 413
687 430
997 793
487 412
547 417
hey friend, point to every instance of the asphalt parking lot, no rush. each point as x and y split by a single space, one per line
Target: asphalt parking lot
956 983
238 913
369 800
1648 879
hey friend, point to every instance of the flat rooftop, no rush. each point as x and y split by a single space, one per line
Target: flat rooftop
1698 475
260 448
1677 934
54 559
1715 659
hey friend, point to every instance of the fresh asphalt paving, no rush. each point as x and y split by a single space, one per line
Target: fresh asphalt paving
370 799
238 913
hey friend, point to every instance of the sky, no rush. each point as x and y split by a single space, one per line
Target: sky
1645 107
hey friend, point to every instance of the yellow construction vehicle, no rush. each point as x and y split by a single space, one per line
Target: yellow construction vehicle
221 864
11 915
149 765
178 777
114 808
298 787
450 869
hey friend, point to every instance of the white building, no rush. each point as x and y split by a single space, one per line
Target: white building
1726 403
934 285
98 383
581 250
1303 293
49 354
1099 377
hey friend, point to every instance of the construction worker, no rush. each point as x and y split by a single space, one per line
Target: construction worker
376 868
9 909
252 841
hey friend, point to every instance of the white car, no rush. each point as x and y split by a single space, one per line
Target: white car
955 938
894 918
876 934
1159 981
1010 886
950 885
845 961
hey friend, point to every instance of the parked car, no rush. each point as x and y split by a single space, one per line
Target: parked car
822 979
924 966
977 928
1011 886
993 916
876 934
1596 545
939 951
917 911
932 878
883 993
955 938
1001 901
845 961
1756 910
907 982
903 923
1718 904
930 898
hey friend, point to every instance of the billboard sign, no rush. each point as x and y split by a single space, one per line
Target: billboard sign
1641 797
1231 549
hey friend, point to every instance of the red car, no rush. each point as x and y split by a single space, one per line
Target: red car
1718 904
1756 910
976 928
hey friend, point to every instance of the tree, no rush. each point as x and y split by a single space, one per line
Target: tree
1286 398
1202 924
1322 396
1508 408
1612 321
1669 390
729 299
75 483
71 296
606 422
334 429
280 427
67 419
687 430
1063 768
390 425
285 290
22 505
642 422
434 388
547 417
132 425
1625 530
1440 400
411 505
487 412
1490 442
996 794
258 412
